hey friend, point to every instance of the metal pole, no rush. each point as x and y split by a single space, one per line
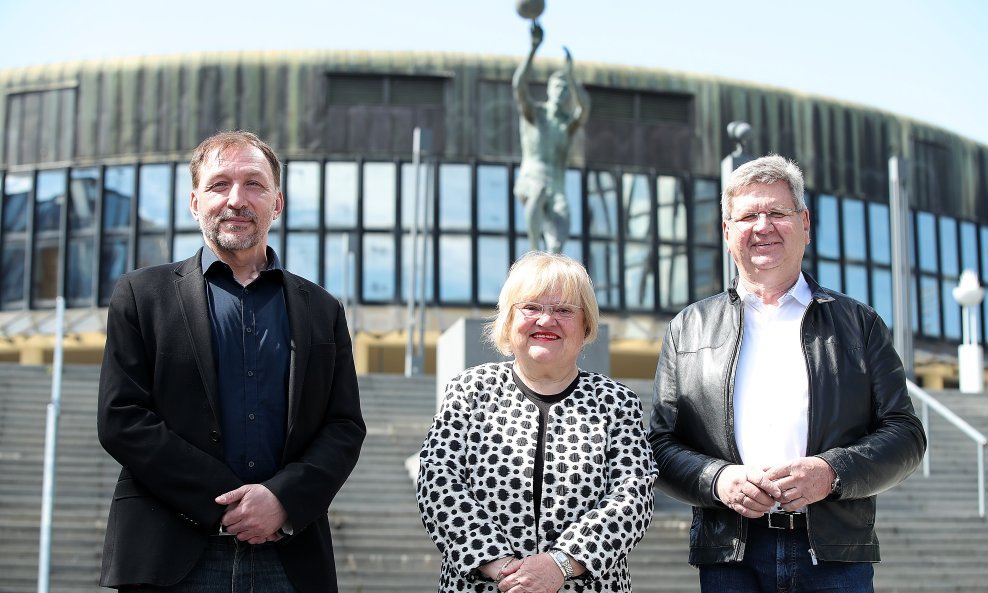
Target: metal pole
413 273
981 481
729 270
51 444
902 335
926 425
738 131
347 265
427 213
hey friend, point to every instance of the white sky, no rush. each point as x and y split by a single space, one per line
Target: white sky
923 59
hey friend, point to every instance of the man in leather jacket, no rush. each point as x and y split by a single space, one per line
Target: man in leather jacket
780 409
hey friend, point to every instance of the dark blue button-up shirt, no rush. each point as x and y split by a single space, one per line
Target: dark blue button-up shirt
251 338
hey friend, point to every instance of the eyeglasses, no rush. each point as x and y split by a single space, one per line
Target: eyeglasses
531 310
774 215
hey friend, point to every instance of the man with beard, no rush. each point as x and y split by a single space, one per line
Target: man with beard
229 396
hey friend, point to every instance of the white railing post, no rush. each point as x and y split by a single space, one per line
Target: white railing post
51 445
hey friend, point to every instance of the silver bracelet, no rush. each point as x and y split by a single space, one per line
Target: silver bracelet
500 571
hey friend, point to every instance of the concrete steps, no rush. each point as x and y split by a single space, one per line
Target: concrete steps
932 539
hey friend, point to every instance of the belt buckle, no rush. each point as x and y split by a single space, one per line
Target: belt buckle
791 523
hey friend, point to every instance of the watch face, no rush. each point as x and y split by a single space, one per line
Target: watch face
564 563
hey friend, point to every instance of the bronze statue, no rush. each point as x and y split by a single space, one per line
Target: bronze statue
547 130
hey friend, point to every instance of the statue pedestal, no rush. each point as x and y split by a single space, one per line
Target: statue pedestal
463 346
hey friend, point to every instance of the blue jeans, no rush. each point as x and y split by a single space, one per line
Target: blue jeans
230 566
778 561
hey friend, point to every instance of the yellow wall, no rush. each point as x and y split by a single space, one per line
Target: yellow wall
373 352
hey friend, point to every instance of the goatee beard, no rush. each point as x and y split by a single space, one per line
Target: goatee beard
232 242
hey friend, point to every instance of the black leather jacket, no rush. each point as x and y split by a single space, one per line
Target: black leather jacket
861 421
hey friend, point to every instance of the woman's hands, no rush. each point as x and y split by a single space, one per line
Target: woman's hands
535 574
495 570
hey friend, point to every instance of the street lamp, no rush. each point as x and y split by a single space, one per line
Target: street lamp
969 294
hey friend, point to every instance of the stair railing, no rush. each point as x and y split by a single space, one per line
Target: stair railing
928 403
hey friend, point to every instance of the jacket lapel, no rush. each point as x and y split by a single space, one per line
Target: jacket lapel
297 301
191 289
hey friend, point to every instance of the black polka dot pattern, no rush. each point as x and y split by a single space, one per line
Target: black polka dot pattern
476 478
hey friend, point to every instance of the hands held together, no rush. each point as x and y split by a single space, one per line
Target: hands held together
253 514
534 574
752 492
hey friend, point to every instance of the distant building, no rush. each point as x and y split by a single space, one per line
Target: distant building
94 182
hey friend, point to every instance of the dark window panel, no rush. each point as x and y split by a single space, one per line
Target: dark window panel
951 311
417 91
12 277
49 200
422 255
46 269
492 267
827 225
83 192
154 199
302 255
455 269
879 235
707 274
341 194
118 197
152 249
603 269
706 227
929 299
665 108
356 90
854 229
608 103
926 242
639 276
674 284
113 262
949 260
602 203
79 271
17 188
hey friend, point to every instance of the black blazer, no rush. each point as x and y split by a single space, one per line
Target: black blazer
159 418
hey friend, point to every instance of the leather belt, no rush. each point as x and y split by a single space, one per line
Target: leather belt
787 521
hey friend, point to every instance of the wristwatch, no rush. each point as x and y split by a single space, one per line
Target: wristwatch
563 562
835 486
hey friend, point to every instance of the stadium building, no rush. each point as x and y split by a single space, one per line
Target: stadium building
94 182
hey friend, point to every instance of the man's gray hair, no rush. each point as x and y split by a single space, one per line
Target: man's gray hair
768 170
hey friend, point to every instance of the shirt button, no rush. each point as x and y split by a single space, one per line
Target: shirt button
251 416
249 330
250 464
215 436
250 373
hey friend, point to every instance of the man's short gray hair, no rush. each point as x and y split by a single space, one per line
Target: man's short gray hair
768 170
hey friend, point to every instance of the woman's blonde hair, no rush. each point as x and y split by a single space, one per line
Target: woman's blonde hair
537 273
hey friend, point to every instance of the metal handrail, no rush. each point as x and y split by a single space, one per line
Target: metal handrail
979 439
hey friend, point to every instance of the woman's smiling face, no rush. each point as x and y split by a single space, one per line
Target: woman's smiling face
546 339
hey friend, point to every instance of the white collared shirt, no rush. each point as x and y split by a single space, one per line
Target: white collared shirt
771 388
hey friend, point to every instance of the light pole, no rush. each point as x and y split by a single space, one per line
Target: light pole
739 132
415 352
969 294
899 217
